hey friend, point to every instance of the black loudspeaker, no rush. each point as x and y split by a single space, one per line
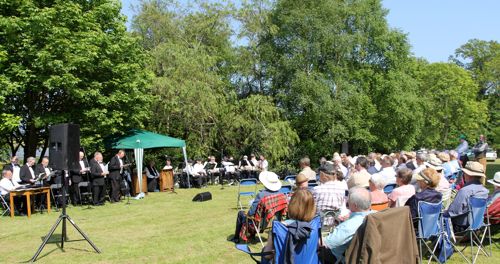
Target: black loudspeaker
201 197
64 147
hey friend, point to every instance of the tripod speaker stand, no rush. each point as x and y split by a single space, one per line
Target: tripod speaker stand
62 218
64 156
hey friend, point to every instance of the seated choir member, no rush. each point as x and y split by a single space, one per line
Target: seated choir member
152 175
7 184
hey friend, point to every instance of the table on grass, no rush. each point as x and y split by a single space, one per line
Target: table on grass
28 193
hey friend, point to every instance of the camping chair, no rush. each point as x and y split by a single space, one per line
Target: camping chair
380 206
286 189
476 236
246 183
430 228
271 206
306 254
5 206
87 193
389 187
328 219
312 184
290 179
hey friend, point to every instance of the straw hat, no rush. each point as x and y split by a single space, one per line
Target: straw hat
435 163
301 178
474 168
270 180
496 179
444 157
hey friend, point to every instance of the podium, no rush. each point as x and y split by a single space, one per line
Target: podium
135 184
166 181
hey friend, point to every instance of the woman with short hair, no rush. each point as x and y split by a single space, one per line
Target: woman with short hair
404 190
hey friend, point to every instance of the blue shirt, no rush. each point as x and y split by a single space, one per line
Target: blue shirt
257 199
462 148
372 170
460 206
341 237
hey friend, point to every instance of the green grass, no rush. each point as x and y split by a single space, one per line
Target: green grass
163 228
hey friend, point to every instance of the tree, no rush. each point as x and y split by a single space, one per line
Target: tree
451 106
69 61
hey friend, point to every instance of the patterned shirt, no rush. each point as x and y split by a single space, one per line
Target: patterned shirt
460 206
330 195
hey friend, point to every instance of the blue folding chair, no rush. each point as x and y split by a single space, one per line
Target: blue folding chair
305 254
430 228
475 217
389 187
247 183
286 189
290 179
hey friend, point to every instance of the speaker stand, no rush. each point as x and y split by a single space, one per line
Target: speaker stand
62 218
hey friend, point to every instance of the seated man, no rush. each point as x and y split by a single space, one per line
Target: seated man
459 208
198 172
305 165
331 194
338 241
360 176
272 186
211 169
6 186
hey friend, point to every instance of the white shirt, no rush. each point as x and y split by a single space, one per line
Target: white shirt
121 165
263 165
7 186
168 167
82 165
15 173
198 168
32 172
388 174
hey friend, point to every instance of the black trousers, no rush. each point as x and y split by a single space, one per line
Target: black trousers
98 192
152 184
75 193
115 189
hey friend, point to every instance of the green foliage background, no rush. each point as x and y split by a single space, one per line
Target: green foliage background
285 78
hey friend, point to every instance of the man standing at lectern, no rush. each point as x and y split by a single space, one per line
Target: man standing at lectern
115 168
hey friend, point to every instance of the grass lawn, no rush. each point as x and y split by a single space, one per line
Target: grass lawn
163 228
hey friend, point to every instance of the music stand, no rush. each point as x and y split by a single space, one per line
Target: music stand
62 218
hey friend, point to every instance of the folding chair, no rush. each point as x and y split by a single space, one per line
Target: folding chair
475 217
87 193
380 206
328 220
389 187
290 179
286 189
312 184
5 206
57 187
247 183
306 254
430 228
269 207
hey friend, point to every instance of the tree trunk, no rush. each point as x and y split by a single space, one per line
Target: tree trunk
44 149
30 141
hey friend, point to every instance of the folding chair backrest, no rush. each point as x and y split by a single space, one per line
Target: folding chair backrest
389 187
286 189
312 184
429 219
248 182
290 178
477 207
380 206
446 198
307 253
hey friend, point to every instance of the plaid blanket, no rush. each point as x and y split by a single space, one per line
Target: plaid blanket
267 208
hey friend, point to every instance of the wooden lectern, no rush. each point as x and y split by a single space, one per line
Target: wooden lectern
166 181
135 184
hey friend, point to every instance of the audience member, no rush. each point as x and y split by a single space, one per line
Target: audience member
272 185
427 181
330 194
338 241
305 165
377 184
459 208
411 163
301 182
337 161
496 182
444 184
404 190
388 172
455 165
360 177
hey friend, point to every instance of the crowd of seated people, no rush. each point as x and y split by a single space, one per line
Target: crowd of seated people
422 176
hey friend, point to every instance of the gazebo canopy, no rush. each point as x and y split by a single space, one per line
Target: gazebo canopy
137 138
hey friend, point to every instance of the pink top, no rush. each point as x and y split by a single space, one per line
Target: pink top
402 191
378 197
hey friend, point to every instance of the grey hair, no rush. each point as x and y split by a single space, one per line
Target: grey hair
453 153
4 172
30 159
360 197
305 161
422 156
379 181
97 153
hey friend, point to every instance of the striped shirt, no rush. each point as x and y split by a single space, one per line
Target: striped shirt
330 195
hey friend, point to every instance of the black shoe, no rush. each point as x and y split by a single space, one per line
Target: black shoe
234 240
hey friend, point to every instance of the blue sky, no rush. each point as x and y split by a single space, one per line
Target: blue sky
435 28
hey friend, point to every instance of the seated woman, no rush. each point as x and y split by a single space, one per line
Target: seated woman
377 184
301 182
301 210
404 190
427 180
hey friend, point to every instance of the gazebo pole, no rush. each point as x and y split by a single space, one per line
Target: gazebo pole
184 153
139 153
